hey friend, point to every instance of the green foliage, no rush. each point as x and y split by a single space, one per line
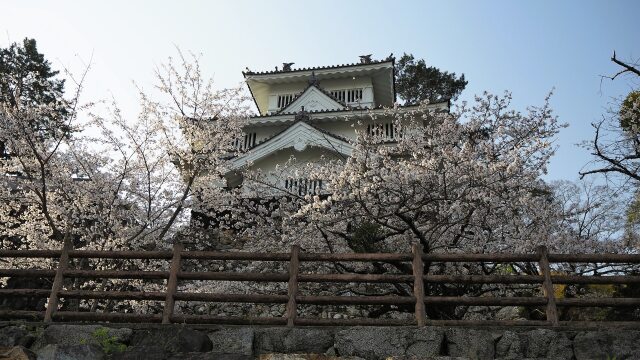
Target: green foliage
415 81
364 236
24 60
601 291
505 269
26 79
109 344
630 112
36 331
633 211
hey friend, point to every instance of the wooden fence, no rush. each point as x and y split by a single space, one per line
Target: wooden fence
418 299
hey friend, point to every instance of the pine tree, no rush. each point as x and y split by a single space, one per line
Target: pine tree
415 81
26 79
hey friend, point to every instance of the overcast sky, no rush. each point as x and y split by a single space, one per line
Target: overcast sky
526 47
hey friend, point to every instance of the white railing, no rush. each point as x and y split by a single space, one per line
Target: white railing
385 131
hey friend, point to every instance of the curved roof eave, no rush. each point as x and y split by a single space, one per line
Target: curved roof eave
298 135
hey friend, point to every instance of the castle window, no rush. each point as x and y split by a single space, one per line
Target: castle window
247 142
347 95
284 100
386 131
303 186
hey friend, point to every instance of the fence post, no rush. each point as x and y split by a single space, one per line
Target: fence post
293 284
418 284
172 283
63 264
552 311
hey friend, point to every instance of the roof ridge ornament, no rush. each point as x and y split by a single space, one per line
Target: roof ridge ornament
287 66
365 59
302 115
313 80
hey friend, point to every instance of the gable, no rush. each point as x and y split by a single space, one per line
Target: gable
298 136
313 99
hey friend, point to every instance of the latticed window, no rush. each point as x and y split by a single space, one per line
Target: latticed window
303 186
247 142
285 99
383 130
347 95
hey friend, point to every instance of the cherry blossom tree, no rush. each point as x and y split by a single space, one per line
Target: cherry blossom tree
118 182
592 213
468 180
465 181
122 182
615 146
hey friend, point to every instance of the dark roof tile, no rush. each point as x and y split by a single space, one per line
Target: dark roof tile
345 110
248 73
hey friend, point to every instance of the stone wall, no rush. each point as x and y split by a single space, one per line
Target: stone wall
28 341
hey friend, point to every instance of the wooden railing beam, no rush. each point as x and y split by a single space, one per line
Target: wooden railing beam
418 284
294 266
172 283
547 285
58 281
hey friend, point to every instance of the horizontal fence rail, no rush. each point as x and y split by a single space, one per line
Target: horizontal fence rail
417 281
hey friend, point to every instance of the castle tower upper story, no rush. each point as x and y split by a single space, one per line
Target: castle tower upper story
365 85
314 113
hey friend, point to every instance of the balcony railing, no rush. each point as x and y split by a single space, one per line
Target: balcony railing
303 186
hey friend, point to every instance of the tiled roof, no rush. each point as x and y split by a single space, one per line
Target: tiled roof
327 132
265 141
310 112
345 110
247 73
308 123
